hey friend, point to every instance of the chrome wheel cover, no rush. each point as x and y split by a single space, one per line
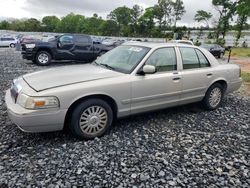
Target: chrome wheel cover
43 58
215 97
93 120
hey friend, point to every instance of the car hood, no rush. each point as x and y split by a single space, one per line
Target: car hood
66 75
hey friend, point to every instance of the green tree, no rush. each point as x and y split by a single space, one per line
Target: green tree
110 28
50 23
136 13
203 16
122 16
32 24
243 11
72 24
93 25
178 11
4 25
163 11
146 23
17 25
226 9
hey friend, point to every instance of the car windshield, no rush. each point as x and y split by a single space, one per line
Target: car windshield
123 58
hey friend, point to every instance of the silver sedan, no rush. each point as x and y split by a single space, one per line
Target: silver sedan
130 79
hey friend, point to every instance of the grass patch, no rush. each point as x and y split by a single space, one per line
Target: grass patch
240 52
245 76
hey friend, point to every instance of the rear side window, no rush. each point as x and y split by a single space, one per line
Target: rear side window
82 39
193 58
164 59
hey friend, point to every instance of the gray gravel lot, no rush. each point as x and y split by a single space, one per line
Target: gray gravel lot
180 147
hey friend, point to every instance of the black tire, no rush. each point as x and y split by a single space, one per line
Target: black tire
43 58
34 61
94 121
12 45
212 92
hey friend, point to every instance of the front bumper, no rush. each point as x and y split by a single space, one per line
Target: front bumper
46 120
28 54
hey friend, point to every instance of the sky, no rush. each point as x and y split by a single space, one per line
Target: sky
40 8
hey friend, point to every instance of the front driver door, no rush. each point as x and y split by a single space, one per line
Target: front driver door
161 89
65 48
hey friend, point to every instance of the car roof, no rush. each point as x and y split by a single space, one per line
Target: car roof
157 45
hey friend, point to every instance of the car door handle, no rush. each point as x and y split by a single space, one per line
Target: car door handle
176 78
209 74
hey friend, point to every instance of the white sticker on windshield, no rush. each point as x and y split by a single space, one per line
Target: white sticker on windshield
135 49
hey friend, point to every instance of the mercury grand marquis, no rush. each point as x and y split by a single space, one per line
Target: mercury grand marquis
130 79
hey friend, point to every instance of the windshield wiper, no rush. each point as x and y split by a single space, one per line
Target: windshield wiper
107 66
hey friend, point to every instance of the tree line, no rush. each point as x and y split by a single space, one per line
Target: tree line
138 22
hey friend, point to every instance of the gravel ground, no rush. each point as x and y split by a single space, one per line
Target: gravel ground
180 147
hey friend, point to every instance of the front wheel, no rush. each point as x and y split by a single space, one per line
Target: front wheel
91 118
213 97
43 58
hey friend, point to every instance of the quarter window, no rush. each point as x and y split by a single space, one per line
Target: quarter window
193 58
203 60
164 59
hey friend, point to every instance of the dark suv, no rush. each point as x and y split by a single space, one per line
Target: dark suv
64 47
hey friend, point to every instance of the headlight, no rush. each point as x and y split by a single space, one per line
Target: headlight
30 45
37 102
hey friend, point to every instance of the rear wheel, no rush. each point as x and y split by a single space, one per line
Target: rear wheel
43 58
213 97
91 118
12 45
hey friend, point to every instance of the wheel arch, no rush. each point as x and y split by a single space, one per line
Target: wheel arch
104 97
220 81
46 50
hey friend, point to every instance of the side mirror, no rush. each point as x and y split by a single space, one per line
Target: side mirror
59 44
149 69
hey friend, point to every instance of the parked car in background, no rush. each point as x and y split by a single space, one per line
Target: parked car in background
189 42
25 40
113 42
214 49
132 78
65 47
8 42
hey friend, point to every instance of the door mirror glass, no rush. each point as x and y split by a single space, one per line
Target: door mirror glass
149 69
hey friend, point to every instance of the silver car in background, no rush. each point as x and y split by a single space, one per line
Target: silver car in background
130 79
8 42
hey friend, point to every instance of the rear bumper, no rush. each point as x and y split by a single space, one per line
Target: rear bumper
234 86
34 120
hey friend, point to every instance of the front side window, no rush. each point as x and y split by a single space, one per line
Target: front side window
66 39
164 59
193 58
123 58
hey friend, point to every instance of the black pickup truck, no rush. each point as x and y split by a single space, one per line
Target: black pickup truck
65 47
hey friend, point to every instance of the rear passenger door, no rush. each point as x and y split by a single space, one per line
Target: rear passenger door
196 74
84 48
